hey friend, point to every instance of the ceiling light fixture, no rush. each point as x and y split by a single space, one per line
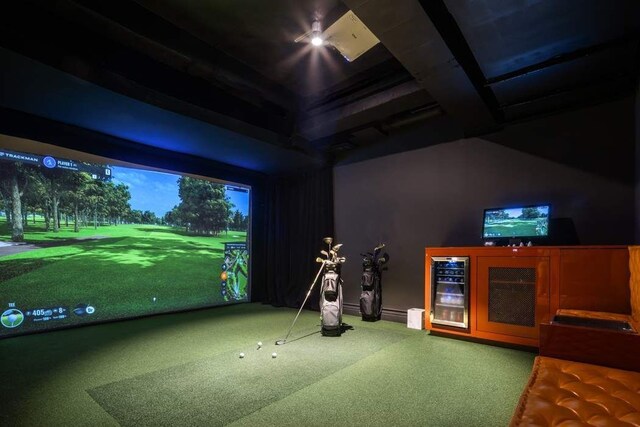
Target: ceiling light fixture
348 35
316 34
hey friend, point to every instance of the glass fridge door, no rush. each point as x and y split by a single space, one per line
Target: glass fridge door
449 291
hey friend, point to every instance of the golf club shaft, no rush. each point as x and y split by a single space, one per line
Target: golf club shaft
305 300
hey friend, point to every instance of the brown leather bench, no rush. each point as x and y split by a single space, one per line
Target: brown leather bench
566 393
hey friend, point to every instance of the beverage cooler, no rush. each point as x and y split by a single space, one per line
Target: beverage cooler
450 291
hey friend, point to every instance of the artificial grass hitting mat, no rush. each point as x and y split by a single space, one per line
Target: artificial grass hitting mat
183 369
222 389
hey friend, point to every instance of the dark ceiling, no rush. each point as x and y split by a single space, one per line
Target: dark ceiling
233 65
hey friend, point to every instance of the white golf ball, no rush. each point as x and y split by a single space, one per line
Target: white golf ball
259 343
274 355
241 355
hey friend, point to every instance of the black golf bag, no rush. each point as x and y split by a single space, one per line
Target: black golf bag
331 300
371 282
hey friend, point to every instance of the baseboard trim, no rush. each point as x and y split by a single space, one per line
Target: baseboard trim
390 314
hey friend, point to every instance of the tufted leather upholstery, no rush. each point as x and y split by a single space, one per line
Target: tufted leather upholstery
565 393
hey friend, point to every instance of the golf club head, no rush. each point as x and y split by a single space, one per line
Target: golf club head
337 247
342 260
328 240
383 259
325 253
319 260
377 249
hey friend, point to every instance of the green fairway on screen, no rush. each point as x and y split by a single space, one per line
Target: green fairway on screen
85 242
530 221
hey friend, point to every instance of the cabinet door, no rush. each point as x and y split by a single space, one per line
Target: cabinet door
513 295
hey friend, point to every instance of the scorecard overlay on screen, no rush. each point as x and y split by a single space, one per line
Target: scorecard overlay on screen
84 242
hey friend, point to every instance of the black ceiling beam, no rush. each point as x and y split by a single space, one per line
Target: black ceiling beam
377 78
448 28
40 34
382 125
366 92
406 30
153 35
586 95
405 96
564 57
615 79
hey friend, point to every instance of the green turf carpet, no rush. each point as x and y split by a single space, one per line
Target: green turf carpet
221 389
183 369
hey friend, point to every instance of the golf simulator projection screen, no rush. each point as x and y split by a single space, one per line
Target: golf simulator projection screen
84 242
524 221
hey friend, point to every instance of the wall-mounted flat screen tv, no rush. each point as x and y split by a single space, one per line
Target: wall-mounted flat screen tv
85 241
516 222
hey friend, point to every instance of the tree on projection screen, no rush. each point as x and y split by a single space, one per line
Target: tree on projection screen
85 242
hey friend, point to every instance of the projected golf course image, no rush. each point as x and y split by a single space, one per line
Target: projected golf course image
138 243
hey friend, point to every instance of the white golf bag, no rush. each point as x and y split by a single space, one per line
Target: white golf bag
331 300
330 292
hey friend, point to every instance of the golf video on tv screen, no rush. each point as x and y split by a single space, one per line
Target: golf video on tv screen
528 221
85 242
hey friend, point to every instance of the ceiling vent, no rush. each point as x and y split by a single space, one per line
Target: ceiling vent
350 36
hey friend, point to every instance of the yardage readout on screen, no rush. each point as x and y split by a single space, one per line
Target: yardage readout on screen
50 162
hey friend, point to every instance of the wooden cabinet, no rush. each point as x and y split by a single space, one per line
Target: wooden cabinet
513 295
512 290
590 280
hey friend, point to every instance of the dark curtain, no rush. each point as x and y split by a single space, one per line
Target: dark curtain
299 214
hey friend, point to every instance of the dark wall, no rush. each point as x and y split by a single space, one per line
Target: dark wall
435 196
598 139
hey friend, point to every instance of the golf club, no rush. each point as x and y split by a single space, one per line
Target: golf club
284 340
328 241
